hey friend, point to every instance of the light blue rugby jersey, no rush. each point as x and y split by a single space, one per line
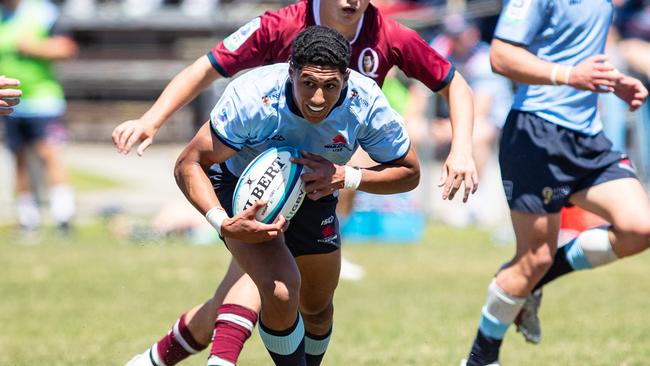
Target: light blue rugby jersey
565 32
256 112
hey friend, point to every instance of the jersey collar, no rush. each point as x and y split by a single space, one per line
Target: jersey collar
288 92
316 11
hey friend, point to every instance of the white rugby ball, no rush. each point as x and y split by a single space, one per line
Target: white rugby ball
272 177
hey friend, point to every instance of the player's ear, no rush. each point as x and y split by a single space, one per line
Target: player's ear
346 76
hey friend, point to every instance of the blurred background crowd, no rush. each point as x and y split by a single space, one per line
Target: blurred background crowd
125 52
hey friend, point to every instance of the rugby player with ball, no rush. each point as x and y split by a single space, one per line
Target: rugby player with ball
305 104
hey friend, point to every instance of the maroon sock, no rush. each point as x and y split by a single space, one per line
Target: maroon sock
178 344
232 328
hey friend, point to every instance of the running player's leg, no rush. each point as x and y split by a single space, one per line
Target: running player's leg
320 274
193 330
235 320
536 237
18 140
274 271
60 193
624 204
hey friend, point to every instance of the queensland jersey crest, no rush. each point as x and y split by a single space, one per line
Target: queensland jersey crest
368 62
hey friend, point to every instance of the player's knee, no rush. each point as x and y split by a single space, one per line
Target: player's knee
318 317
541 259
636 231
280 292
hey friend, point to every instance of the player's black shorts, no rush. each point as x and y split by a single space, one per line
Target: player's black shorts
314 229
543 164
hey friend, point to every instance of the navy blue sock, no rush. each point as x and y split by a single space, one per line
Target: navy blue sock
560 267
315 347
485 350
286 347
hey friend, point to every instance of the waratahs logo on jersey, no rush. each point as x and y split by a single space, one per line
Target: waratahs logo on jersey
222 114
339 142
236 39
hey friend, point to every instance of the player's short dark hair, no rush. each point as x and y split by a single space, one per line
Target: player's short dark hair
320 46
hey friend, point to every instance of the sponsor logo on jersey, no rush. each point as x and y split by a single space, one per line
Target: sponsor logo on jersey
354 94
339 142
368 62
236 39
517 10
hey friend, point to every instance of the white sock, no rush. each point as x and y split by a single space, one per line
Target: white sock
27 211
62 207
596 246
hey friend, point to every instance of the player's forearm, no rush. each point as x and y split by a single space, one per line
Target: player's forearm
195 184
518 64
402 176
461 112
183 88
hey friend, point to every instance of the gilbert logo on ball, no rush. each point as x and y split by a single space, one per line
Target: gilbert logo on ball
272 177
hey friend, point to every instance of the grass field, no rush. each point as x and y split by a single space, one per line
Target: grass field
95 300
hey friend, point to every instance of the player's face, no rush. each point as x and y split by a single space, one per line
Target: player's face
316 90
344 12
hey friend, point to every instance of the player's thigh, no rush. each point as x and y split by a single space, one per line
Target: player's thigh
267 264
237 287
320 277
622 202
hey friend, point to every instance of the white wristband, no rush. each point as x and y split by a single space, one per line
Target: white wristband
567 74
352 178
554 71
215 217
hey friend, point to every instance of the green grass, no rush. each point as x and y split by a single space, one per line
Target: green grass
95 300
83 181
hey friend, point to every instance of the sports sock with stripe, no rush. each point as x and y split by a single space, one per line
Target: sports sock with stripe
592 248
176 345
497 315
233 326
286 347
316 346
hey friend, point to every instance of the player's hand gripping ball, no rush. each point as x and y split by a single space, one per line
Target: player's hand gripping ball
272 177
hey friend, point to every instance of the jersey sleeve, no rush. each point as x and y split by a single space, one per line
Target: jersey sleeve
260 41
418 60
384 137
521 20
227 124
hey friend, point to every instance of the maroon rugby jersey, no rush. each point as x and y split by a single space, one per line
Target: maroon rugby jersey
379 44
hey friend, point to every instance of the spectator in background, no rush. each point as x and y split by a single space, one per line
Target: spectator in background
29 43
8 97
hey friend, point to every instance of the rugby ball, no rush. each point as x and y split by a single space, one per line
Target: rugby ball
272 177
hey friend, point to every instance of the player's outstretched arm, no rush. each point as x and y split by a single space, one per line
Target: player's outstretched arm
517 63
182 89
459 167
325 177
8 97
203 151
631 91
